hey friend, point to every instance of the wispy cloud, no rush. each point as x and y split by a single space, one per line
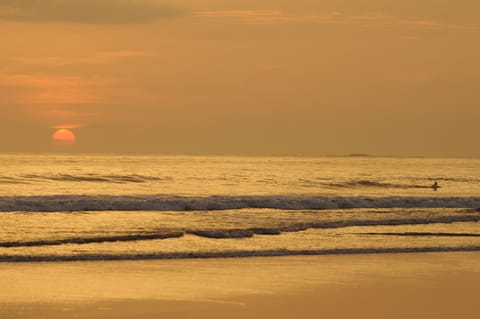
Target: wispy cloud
248 16
46 89
54 100
84 11
370 20
67 126
100 58
54 89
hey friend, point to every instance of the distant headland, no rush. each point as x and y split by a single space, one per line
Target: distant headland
359 155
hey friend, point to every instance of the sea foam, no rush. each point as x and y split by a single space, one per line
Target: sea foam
232 254
58 203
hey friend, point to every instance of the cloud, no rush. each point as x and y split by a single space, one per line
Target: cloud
54 100
67 126
34 89
37 89
370 20
83 11
96 59
249 16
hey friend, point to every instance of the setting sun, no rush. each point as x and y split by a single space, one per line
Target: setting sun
63 137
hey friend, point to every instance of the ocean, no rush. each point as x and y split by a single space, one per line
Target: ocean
123 207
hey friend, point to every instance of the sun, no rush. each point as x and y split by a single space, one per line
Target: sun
63 137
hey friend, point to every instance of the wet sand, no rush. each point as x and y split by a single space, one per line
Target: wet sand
423 285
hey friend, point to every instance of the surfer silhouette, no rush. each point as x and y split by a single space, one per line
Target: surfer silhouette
435 186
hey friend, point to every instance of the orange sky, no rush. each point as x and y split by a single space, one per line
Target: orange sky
264 77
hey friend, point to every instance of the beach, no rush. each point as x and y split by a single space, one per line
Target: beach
419 285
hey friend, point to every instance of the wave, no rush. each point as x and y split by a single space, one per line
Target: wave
90 240
452 179
94 178
424 234
58 203
266 231
304 182
250 232
10 180
368 183
232 254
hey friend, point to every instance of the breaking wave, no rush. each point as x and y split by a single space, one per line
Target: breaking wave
266 231
232 254
90 240
58 203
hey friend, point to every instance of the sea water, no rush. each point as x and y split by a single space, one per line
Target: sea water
116 207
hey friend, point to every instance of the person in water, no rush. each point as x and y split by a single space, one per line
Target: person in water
435 186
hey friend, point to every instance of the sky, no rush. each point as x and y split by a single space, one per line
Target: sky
242 77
